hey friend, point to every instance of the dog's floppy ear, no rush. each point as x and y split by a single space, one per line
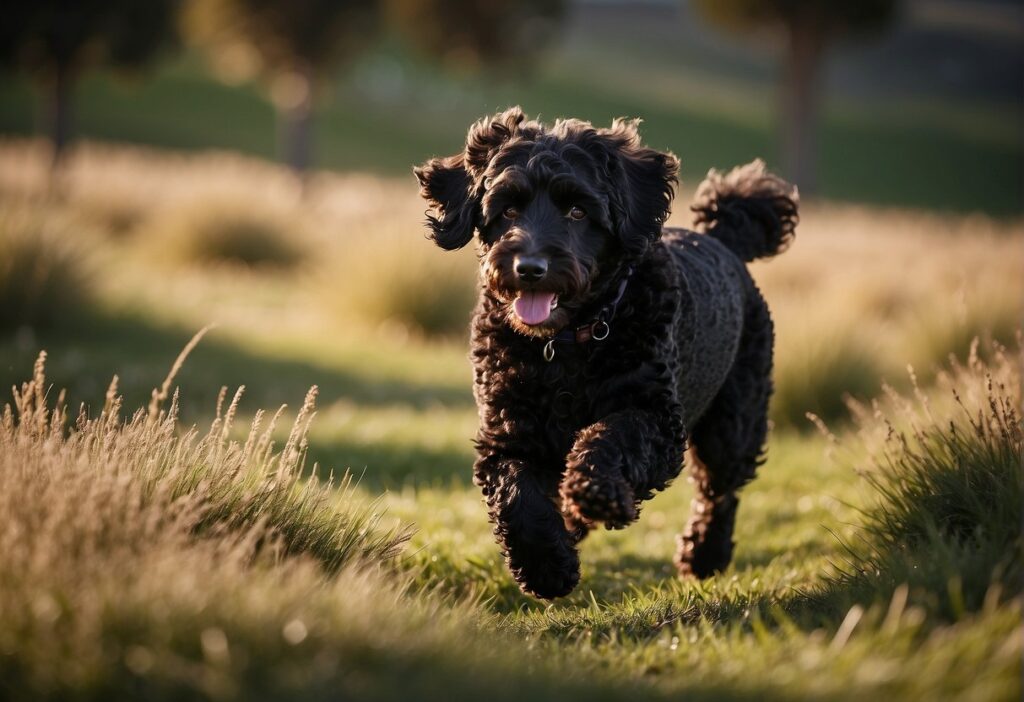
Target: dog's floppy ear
453 185
645 181
446 185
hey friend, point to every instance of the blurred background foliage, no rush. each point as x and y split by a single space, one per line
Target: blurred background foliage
54 43
807 28
915 102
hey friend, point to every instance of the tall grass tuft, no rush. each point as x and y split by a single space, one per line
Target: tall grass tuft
149 467
134 549
143 560
44 278
949 486
225 231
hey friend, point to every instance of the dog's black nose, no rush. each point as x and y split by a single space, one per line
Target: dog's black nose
530 269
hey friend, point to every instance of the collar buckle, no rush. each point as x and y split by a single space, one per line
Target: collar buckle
597 330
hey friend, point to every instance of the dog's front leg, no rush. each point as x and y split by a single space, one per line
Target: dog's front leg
620 461
539 549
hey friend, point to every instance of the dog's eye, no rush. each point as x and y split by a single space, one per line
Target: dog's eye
510 212
576 213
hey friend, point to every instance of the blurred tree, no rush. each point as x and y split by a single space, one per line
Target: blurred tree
290 44
469 35
809 27
57 40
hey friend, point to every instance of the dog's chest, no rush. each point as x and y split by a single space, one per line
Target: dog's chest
570 389
565 402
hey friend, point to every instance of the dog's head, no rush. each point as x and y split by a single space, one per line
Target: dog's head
559 210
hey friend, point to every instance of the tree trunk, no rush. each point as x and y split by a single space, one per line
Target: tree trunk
58 112
801 101
295 121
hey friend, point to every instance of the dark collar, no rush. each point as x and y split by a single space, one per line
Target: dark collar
597 329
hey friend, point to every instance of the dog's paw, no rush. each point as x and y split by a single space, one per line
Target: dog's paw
700 559
547 583
705 547
549 572
594 495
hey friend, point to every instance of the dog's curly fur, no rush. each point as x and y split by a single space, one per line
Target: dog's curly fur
587 436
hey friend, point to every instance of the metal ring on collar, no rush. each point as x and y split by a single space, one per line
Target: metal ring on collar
549 351
603 334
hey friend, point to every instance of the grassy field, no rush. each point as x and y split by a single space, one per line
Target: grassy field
142 558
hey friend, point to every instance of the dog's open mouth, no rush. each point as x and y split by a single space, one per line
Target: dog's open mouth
534 306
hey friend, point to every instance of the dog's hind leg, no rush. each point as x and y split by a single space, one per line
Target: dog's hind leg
727 443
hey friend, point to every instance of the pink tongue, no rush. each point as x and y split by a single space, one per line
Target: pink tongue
533 307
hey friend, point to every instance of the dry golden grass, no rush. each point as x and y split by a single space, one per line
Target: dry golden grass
147 469
140 552
860 294
142 558
864 292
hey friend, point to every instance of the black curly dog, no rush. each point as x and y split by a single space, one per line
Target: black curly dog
602 341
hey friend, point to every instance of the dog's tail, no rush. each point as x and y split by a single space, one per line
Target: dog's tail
751 211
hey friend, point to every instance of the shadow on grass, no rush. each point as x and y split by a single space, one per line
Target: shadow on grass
643 608
638 597
85 354
807 548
